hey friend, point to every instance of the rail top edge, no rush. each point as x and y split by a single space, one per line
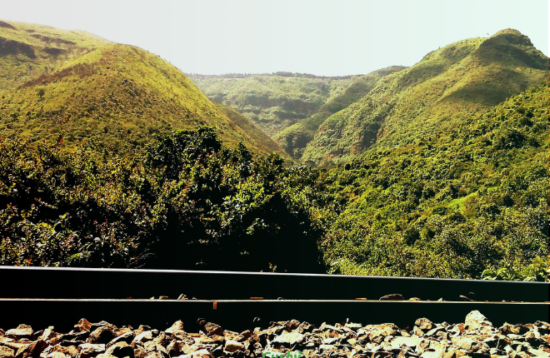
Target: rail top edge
259 274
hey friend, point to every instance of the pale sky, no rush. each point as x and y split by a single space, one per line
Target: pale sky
321 37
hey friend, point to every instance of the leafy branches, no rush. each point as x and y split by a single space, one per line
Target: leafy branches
191 203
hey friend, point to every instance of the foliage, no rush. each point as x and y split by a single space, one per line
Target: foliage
537 271
193 203
454 206
190 203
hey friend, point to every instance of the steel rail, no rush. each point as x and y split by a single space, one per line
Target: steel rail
75 283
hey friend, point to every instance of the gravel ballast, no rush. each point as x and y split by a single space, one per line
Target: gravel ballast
475 338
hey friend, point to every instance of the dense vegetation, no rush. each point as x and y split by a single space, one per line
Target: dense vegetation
472 203
272 101
189 203
449 206
434 96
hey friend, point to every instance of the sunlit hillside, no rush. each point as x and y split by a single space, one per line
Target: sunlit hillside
472 202
29 50
119 94
432 97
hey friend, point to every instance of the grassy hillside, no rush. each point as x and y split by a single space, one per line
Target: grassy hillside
470 200
272 101
432 97
294 139
119 94
29 50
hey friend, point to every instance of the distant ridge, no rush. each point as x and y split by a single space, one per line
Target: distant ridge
280 73
272 101
295 138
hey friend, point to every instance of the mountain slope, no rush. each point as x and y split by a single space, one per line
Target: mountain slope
120 94
468 200
252 130
294 139
29 50
431 97
272 101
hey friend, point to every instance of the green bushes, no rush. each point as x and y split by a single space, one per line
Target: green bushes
192 203
537 271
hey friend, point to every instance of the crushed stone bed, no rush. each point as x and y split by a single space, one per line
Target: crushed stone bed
475 338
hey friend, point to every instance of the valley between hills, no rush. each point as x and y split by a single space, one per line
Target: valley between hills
112 157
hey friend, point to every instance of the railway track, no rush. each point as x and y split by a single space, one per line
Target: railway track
61 296
142 284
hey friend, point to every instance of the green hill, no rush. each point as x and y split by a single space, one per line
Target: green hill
472 199
294 139
119 94
29 50
432 97
272 101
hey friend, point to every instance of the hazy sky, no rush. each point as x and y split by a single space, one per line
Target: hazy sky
322 37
